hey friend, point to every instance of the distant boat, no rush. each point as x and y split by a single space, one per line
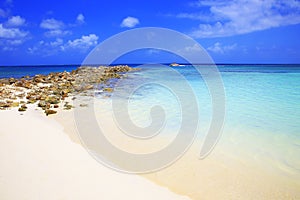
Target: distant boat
175 65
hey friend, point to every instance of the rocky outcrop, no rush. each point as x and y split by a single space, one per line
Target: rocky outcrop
47 91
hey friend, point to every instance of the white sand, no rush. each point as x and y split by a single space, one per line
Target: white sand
39 161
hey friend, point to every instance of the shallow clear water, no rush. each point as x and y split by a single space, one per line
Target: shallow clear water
258 97
262 121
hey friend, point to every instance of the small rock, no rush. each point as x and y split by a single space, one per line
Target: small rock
50 112
4 105
31 101
21 95
12 80
108 89
88 87
52 99
28 85
21 109
15 104
42 104
67 106
48 105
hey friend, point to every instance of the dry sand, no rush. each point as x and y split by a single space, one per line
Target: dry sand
39 161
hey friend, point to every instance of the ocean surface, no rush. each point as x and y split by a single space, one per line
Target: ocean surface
262 104
20 71
259 148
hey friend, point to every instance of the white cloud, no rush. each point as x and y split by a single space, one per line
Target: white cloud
55 28
11 37
15 42
6 48
32 50
194 16
48 48
227 18
10 45
57 42
192 51
221 49
15 21
52 24
130 22
57 33
80 19
83 43
194 48
11 33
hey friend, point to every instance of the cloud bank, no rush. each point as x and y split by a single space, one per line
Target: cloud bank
227 18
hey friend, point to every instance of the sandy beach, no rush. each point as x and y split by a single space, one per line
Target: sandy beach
40 161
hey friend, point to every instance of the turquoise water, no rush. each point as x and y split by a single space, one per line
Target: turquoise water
259 97
263 117
262 122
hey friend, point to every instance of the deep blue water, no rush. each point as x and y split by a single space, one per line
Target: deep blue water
19 71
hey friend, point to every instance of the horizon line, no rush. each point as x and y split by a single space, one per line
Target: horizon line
40 65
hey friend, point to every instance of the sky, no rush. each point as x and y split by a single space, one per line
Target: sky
64 32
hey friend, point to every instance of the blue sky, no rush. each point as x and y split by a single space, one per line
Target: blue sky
64 32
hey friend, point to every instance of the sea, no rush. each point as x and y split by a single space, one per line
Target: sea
261 125
20 71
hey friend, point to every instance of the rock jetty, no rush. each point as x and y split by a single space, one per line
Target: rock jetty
48 91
